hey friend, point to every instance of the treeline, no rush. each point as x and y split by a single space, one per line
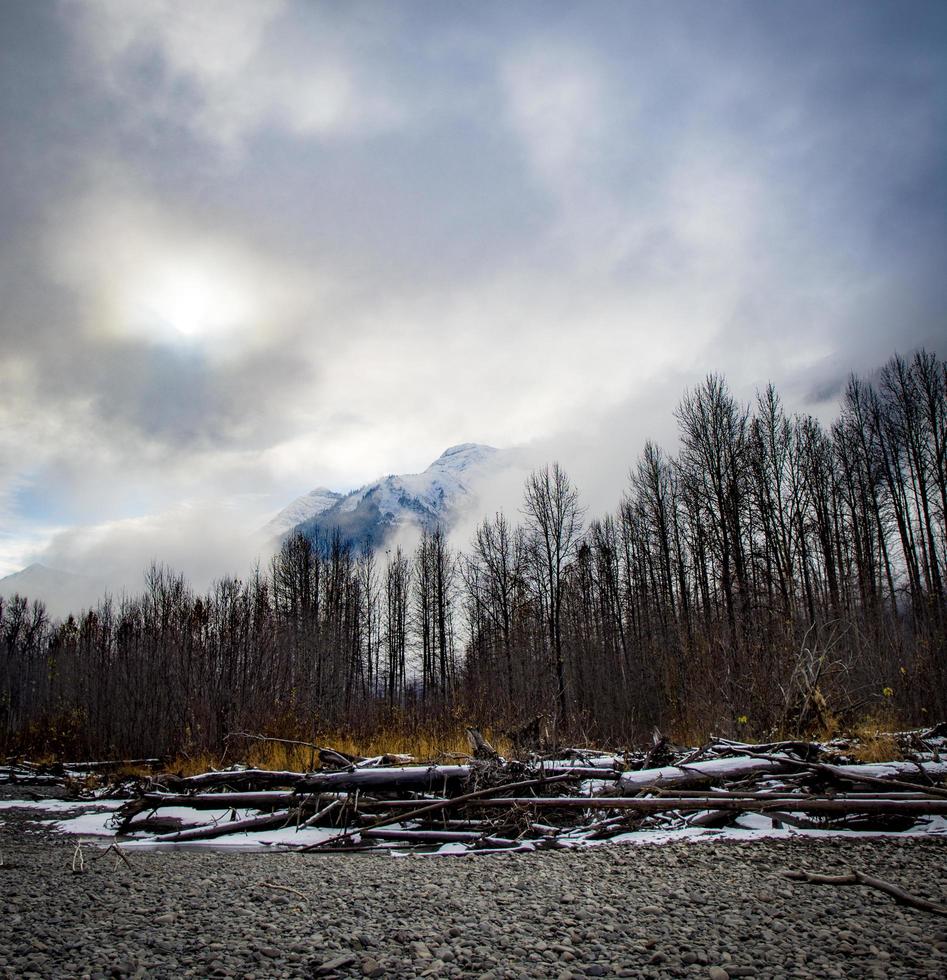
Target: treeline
774 573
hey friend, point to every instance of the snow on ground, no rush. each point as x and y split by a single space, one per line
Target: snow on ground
56 805
94 820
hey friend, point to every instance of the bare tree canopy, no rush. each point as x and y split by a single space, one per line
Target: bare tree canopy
774 574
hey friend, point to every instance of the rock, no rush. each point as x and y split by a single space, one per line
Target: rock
336 963
718 973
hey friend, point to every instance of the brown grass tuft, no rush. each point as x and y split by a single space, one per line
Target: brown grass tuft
875 743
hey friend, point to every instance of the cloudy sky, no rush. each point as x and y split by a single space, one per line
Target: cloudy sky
248 247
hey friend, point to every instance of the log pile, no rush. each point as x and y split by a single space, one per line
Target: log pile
21 772
488 803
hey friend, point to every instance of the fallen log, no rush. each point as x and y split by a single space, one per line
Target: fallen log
110 764
234 778
759 764
858 878
806 750
876 773
321 814
220 801
209 831
437 837
153 825
696 773
439 805
410 777
772 794
583 772
929 807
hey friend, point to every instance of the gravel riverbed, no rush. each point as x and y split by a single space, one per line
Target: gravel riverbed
705 909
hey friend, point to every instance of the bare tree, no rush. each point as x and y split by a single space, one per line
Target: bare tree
554 522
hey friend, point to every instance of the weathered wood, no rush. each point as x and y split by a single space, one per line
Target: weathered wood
322 814
805 750
439 805
410 777
436 837
858 878
759 764
154 825
110 765
480 747
209 831
696 773
583 772
265 799
749 805
875 774
256 778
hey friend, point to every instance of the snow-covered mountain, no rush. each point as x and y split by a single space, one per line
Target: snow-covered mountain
302 509
370 514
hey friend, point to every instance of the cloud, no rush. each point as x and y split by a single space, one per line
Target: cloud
162 276
226 68
254 247
556 104
197 538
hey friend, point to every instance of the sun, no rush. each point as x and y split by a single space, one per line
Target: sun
188 302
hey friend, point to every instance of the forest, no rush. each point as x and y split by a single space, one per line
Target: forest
773 576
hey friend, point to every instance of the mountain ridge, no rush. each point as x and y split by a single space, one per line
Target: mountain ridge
371 513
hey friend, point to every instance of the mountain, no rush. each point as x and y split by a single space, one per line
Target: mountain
370 514
301 509
61 592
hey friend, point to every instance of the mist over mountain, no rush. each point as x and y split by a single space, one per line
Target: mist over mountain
61 592
372 514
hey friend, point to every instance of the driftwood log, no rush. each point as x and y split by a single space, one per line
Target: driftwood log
274 820
233 779
440 805
557 800
418 778
742 767
858 878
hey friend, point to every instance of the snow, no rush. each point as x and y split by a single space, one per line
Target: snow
76 820
67 806
85 824
302 509
445 483
425 498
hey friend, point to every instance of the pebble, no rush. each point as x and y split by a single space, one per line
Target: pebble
336 963
684 909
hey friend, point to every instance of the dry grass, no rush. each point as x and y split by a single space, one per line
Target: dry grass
875 743
299 758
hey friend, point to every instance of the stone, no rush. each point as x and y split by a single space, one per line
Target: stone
336 963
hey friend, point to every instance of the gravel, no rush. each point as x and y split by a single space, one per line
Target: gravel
714 910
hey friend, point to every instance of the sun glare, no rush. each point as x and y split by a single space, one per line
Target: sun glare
188 303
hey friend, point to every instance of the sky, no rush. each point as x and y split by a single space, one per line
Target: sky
250 247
